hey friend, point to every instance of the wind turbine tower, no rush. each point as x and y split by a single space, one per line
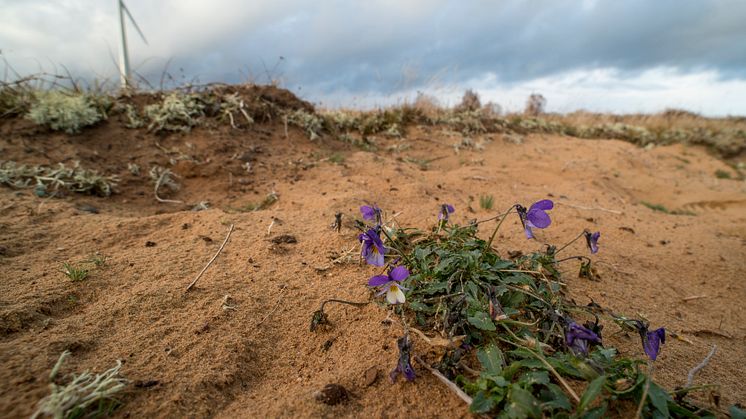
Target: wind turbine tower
125 75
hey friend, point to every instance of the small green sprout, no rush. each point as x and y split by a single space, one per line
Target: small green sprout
75 273
486 201
722 174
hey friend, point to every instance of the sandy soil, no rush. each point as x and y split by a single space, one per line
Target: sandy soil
254 356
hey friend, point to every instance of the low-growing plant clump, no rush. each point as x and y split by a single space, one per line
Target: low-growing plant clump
510 341
83 395
65 111
183 109
50 181
177 112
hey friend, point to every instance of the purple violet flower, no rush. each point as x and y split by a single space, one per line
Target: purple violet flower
651 341
579 338
445 211
592 240
391 284
372 213
404 366
373 249
535 216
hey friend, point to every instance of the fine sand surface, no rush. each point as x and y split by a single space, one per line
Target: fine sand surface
239 345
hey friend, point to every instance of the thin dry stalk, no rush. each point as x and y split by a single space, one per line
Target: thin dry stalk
450 384
645 391
277 304
230 230
158 184
695 370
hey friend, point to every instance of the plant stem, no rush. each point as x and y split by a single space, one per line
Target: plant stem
546 364
334 300
570 242
645 391
574 257
404 255
504 216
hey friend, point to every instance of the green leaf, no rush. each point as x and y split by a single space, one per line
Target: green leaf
513 299
491 358
591 393
736 412
679 411
418 306
522 404
481 403
596 413
531 378
482 321
553 397
435 287
473 290
659 397
496 379
502 264
519 278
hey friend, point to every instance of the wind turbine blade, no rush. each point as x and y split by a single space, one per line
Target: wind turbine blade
132 19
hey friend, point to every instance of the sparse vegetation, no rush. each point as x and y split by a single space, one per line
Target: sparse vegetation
134 119
337 158
231 106
163 177
181 110
535 105
177 112
661 208
75 273
311 123
265 203
486 201
62 111
49 181
85 395
722 174
16 98
97 259
469 102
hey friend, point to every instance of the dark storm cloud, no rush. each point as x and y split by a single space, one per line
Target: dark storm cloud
382 46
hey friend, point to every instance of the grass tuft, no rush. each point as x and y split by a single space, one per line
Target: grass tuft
486 201
722 174
75 273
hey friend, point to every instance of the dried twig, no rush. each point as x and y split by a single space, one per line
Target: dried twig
161 181
450 384
277 304
269 229
590 208
695 370
230 230
693 297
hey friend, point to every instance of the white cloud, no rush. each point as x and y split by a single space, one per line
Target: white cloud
612 56
602 90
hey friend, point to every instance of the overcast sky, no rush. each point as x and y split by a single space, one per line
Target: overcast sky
612 56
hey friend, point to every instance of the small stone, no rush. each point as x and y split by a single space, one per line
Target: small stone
332 394
371 375
149 244
284 238
87 208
